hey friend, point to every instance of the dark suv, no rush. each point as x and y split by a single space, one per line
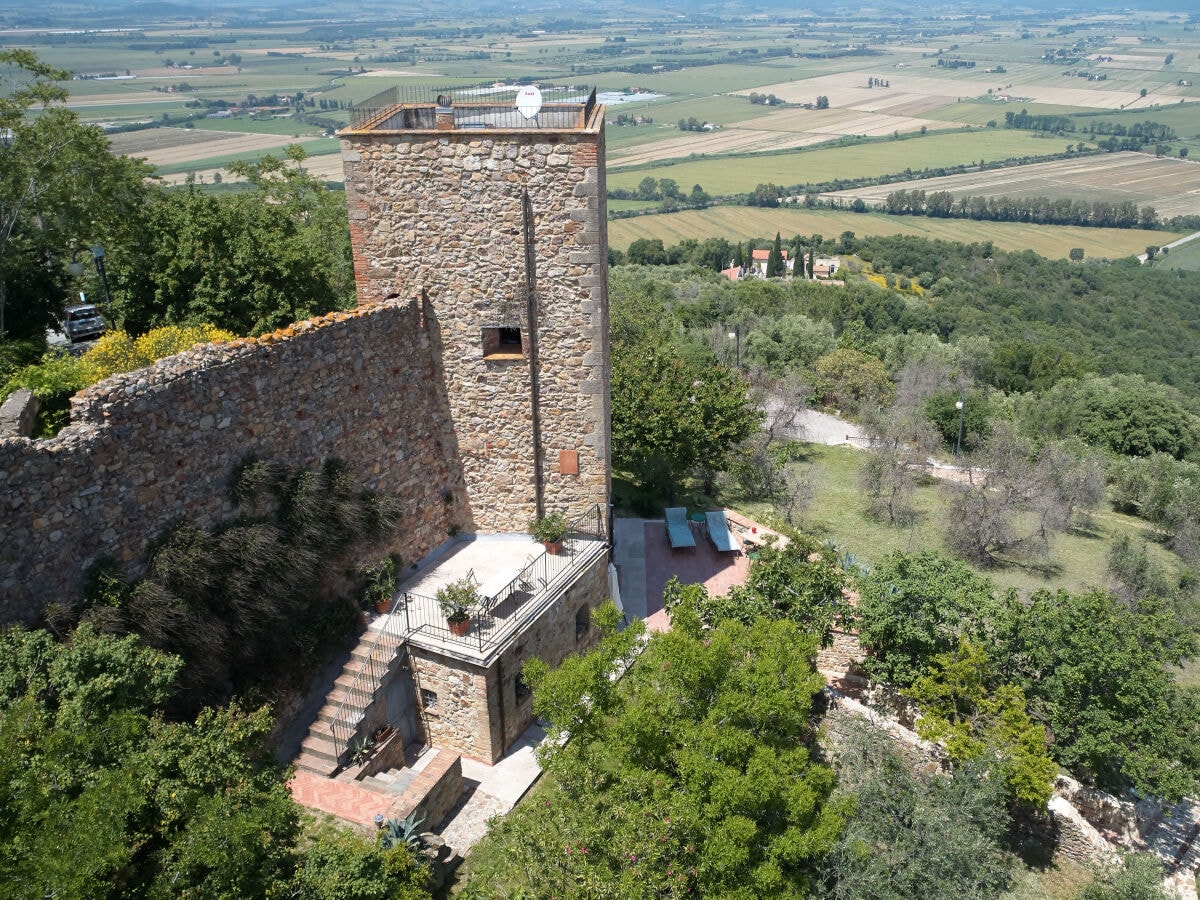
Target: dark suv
83 323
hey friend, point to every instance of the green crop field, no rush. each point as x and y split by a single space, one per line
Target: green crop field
746 222
312 148
725 175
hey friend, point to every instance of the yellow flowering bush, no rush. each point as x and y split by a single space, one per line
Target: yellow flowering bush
118 352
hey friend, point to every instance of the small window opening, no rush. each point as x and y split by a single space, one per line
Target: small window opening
503 342
583 622
428 699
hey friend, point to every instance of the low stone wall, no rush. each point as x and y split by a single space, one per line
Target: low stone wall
145 449
843 657
434 791
18 414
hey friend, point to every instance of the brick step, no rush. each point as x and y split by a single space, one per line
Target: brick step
373 783
330 709
318 765
321 727
348 685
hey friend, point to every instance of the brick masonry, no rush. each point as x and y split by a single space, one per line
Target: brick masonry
439 214
148 448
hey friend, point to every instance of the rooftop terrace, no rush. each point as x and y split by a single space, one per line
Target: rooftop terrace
515 578
407 108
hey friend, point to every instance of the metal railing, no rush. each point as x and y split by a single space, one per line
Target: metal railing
491 622
361 692
404 107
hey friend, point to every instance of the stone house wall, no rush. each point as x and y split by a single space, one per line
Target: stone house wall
478 712
148 448
439 215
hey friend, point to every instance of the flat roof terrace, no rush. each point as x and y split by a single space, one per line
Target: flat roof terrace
515 577
493 108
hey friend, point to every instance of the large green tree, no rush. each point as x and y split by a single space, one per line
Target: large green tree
61 190
927 835
692 776
671 415
248 262
1095 671
103 799
913 607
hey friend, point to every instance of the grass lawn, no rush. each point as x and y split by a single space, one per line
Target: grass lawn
1185 256
739 223
1076 560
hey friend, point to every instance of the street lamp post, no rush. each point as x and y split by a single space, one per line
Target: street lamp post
98 256
958 404
736 334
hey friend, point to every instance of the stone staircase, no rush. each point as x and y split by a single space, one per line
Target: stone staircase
319 750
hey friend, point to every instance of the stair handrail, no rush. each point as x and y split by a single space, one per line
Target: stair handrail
341 729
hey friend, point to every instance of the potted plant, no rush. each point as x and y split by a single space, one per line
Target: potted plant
455 601
381 584
551 530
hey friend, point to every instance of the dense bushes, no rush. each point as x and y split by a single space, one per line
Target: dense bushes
253 598
1091 667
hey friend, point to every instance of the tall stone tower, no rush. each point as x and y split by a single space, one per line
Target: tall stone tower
489 210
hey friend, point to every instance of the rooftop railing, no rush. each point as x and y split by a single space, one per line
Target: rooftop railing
408 107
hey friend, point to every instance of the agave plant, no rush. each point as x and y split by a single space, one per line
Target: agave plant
397 832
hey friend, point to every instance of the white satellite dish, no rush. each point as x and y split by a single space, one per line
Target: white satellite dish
529 101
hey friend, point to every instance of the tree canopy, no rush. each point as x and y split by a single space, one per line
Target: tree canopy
691 776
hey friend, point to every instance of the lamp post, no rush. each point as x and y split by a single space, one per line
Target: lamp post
98 256
736 335
958 404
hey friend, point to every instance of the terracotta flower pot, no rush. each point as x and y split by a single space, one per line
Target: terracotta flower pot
553 547
459 627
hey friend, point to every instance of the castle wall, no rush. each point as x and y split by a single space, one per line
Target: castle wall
439 214
148 448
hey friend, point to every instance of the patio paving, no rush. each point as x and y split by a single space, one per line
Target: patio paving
646 562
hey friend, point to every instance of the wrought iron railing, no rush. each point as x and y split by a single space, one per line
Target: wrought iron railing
492 622
404 107
361 692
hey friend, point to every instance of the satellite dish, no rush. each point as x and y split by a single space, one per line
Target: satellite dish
529 101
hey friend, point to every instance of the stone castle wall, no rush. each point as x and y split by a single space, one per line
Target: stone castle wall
148 448
439 214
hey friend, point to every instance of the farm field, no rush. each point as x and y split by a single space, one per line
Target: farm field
739 175
783 130
177 151
1170 185
745 222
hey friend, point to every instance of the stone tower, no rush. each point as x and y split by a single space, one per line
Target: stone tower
492 216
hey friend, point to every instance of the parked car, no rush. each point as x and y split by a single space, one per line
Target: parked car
83 323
